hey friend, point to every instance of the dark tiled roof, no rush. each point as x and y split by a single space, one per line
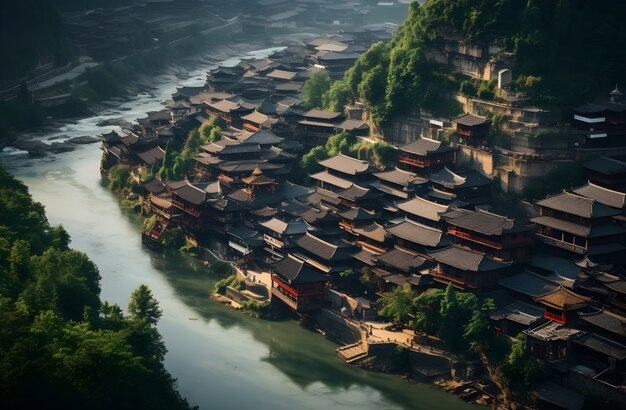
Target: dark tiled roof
606 166
296 271
469 120
578 205
467 179
346 164
425 146
402 260
351 125
423 208
578 229
528 284
322 115
466 259
562 298
519 312
286 228
356 193
155 186
325 250
607 321
609 197
357 214
487 223
400 177
374 232
329 178
602 345
191 194
419 234
151 155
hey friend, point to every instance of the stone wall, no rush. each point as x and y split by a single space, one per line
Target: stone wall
585 384
475 158
338 328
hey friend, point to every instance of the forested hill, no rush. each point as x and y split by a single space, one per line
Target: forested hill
566 51
60 347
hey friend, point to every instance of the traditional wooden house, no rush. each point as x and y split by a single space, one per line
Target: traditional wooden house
415 237
516 317
354 218
607 172
422 155
317 126
255 122
224 214
562 305
468 187
551 341
297 284
279 236
398 184
231 111
357 128
471 129
149 157
246 243
397 267
374 237
328 256
424 211
342 171
606 324
500 237
467 269
358 197
578 226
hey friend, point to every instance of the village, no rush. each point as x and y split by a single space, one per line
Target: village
331 244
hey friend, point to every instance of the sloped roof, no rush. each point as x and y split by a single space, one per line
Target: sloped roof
355 193
155 186
419 234
346 164
606 166
608 197
465 179
374 231
423 208
425 146
191 194
357 214
527 284
281 74
402 260
286 228
487 223
297 271
466 259
605 320
326 250
351 125
578 205
151 155
565 299
469 120
400 177
519 312
327 177
322 115
602 345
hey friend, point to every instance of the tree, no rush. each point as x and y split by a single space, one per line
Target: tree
216 134
398 305
384 154
143 306
477 330
451 330
314 88
165 173
336 98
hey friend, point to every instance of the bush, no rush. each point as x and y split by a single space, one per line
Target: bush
221 268
119 176
231 281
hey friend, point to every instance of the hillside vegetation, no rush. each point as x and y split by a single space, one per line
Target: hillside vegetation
566 51
60 346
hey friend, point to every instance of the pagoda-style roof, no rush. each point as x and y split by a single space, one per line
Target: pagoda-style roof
282 75
487 223
155 186
608 321
256 117
357 193
151 155
296 271
322 115
419 234
564 299
528 284
329 178
466 259
353 125
589 108
578 205
374 232
111 137
608 197
584 231
325 250
423 208
263 138
606 166
257 178
191 194
347 165
602 345
470 120
357 214
402 260
400 177
519 312
467 179
425 147
286 228
586 263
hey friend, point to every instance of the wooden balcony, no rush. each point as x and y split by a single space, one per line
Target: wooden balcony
470 237
270 240
554 317
191 211
561 244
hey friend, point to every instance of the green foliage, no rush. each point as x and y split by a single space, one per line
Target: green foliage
337 97
314 88
519 368
143 306
260 309
60 346
467 89
398 305
232 281
348 273
167 164
220 268
173 238
384 154
216 134
119 176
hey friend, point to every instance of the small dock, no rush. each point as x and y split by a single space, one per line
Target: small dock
352 352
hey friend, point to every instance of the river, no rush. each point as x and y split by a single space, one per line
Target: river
222 359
